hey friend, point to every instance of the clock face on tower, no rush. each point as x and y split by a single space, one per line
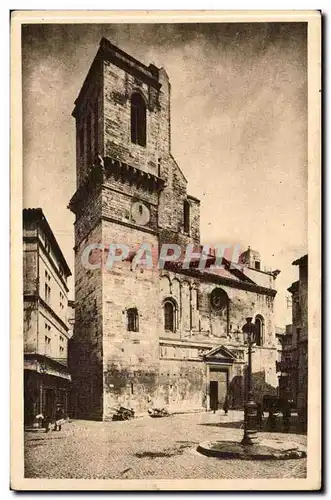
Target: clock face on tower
140 213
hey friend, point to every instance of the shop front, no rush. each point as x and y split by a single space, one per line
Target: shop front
46 384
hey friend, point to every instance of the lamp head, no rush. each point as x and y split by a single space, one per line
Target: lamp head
249 329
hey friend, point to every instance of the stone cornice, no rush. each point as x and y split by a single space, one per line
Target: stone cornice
190 197
129 195
108 167
36 239
109 52
121 59
127 173
93 180
144 229
186 343
36 298
36 215
60 364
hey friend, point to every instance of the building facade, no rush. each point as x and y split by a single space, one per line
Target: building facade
287 366
173 335
293 367
299 291
46 375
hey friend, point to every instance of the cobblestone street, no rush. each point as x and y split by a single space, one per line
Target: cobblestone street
147 448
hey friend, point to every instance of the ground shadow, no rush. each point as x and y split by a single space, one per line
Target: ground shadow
294 427
46 438
34 430
166 453
187 443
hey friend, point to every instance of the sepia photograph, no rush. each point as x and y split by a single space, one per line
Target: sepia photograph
165 210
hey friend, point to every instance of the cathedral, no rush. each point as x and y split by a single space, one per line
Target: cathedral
171 335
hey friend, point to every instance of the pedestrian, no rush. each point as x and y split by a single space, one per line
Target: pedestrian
47 423
59 414
214 406
226 406
286 410
40 419
259 415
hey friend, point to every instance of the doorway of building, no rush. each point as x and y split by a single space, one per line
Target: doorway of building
213 394
49 403
218 387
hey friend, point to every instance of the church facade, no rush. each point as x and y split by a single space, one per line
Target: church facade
171 335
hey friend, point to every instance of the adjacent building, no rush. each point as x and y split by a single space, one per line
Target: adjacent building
287 365
46 375
173 334
293 368
299 291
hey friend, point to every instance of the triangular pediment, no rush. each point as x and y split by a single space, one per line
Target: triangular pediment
219 352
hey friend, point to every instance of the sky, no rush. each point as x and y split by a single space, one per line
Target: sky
238 127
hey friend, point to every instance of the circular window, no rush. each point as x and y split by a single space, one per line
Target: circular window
219 299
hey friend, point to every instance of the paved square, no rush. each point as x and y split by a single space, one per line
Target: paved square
146 448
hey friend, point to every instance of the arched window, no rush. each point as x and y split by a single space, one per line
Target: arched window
138 119
170 315
259 330
132 320
219 299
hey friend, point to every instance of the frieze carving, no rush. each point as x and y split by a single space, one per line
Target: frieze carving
189 352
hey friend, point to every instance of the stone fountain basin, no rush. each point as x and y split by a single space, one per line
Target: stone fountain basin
263 449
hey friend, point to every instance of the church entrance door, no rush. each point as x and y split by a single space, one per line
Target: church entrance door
213 393
218 386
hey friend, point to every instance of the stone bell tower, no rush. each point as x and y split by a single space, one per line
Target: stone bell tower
129 191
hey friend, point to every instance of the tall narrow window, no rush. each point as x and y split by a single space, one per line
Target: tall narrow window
138 120
169 316
47 293
186 216
47 344
259 325
132 320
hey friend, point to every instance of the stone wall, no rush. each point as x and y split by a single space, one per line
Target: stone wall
220 328
302 346
43 316
115 365
181 384
30 265
130 359
30 328
89 124
121 200
217 324
118 88
86 346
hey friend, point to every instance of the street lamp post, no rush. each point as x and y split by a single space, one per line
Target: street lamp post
250 422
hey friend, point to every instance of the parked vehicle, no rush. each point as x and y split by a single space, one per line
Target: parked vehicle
122 413
274 406
277 405
158 412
